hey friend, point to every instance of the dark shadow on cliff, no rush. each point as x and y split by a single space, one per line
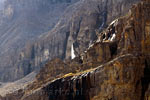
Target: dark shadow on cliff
145 80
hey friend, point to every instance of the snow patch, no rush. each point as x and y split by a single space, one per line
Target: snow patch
113 37
90 46
113 22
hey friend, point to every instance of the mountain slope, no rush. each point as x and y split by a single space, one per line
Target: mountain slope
115 67
22 21
74 31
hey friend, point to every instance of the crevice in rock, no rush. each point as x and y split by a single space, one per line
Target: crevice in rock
145 80
113 49
78 29
65 45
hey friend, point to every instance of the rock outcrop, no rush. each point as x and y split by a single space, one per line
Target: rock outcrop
119 79
115 67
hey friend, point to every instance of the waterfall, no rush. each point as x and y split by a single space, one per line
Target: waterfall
72 52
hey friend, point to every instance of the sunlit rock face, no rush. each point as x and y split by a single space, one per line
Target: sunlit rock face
120 66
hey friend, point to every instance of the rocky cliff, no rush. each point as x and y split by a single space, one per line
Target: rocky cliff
22 21
74 32
115 67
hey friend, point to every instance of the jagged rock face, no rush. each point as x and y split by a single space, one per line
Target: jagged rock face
91 16
116 80
22 21
123 73
124 78
75 29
